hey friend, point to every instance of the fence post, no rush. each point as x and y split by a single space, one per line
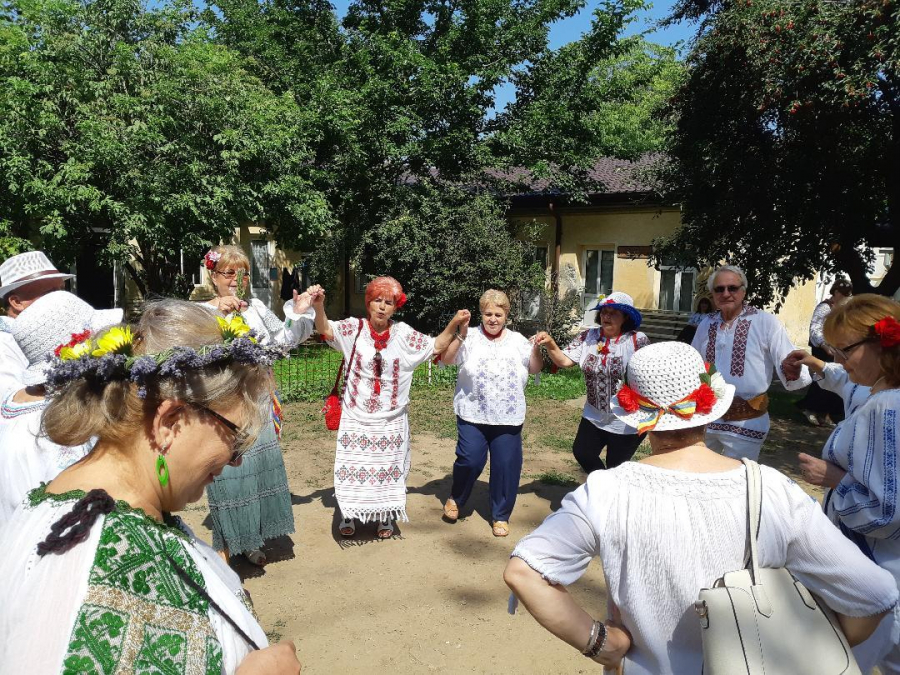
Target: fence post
429 372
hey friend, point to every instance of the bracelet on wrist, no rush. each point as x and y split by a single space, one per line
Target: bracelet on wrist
597 641
461 338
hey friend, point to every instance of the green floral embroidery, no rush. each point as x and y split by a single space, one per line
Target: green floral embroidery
139 615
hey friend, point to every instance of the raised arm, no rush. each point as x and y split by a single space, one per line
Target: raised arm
317 296
556 355
449 355
442 341
536 362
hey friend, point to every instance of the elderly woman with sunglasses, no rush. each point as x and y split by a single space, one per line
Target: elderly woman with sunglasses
859 463
746 345
251 504
97 575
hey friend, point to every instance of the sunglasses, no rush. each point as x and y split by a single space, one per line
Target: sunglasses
844 353
240 439
228 274
718 290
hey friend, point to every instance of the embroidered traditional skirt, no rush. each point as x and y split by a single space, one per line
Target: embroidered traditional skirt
370 468
252 502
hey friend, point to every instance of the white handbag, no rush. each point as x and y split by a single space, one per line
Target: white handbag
763 621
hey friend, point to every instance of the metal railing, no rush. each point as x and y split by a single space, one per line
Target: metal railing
309 372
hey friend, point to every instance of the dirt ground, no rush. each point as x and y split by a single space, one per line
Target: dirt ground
431 599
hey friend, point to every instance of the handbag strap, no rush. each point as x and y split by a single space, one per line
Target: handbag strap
754 517
349 363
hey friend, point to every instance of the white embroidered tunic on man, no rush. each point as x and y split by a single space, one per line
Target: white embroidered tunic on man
12 361
745 352
490 386
603 361
373 455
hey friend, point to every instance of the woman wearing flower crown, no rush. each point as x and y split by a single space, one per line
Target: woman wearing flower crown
859 464
251 503
97 576
603 354
671 524
373 454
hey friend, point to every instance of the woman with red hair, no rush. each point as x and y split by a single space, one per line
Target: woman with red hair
373 454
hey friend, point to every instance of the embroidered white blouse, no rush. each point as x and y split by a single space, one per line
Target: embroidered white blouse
12 361
836 380
270 329
27 458
43 597
865 503
603 372
662 535
406 349
746 353
817 324
490 386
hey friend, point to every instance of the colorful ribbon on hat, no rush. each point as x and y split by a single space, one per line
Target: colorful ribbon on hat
652 413
277 415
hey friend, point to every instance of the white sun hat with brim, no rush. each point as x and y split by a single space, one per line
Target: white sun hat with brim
25 268
622 302
667 375
51 321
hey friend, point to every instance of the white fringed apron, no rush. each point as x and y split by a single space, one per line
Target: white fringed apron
370 468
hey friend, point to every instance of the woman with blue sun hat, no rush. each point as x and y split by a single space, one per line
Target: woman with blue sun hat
602 353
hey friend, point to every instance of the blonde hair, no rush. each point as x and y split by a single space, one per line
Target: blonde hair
113 412
494 297
232 257
858 317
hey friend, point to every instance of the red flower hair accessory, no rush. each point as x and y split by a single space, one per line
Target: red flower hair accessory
77 339
401 300
210 259
888 331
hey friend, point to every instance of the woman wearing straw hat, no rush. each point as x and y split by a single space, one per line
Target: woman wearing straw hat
603 354
251 503
673 523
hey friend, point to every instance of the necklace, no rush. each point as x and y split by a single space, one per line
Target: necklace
877 382
603 349
380 340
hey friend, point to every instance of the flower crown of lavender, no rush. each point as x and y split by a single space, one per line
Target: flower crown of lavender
113 358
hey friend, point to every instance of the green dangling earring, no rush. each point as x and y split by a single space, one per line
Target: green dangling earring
162 470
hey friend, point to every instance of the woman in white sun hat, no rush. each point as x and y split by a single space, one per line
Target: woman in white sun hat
673 523
603 354
53 322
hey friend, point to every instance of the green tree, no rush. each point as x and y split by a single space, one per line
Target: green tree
126 119
785 153
447 246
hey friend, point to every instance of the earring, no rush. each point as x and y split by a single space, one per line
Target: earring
162 468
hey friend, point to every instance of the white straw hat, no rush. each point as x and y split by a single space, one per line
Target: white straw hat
667 373
51 321
27 267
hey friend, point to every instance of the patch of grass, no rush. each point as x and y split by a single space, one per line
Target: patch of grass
642 451
431 411
557 442
275 635
553 477
562 386
782 405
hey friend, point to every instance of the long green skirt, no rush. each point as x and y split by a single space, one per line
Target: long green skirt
252 502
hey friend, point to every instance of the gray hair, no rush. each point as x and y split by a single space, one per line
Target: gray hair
734 269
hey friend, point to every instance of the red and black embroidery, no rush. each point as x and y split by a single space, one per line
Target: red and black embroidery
355 377
739 431
711 342
739 350
368 474
416 340
348 327
395 383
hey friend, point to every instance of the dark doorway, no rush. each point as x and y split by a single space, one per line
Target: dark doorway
95 280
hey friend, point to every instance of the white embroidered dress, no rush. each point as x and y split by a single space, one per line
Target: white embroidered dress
746 353
604 372
12 361
114 602
662 535
836 380
28 458
372 458
490 386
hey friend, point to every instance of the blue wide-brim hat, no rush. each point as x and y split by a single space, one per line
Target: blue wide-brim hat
623 303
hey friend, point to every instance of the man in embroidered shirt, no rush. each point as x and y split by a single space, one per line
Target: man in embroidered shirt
745 344
23 279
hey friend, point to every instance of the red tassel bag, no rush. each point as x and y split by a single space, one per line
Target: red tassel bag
332 407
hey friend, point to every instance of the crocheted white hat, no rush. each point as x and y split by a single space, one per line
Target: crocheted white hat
27 267
51 321
666 373
622 302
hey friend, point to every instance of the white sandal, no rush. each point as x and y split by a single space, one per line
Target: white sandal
256 557
347 528
385 529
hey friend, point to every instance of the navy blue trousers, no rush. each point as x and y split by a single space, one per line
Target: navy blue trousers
505 446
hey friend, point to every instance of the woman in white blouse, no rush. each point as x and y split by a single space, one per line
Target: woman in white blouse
494 364
858 466
673 523
251 503
372 457
603 354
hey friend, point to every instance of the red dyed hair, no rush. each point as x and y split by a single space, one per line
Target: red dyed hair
384 287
